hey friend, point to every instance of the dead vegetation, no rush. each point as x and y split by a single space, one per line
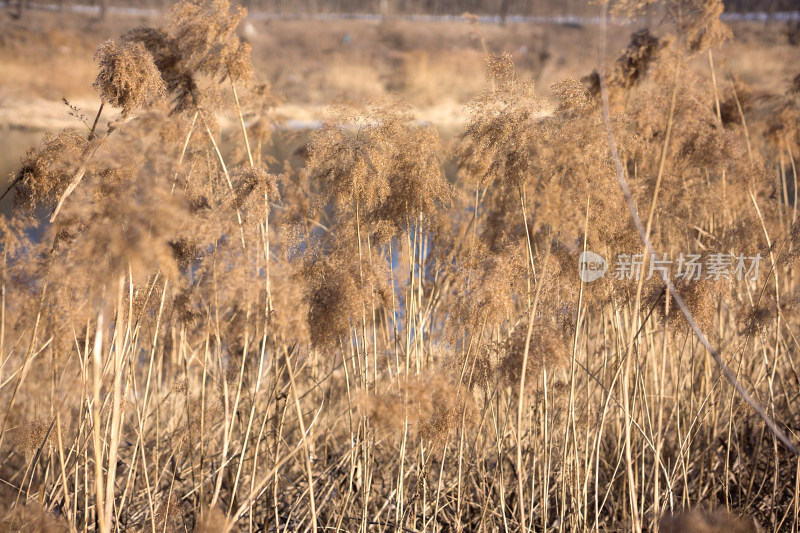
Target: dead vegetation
197 338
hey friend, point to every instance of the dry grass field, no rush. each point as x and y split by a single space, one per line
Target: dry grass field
399 275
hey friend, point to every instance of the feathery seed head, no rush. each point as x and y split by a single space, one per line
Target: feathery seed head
128 77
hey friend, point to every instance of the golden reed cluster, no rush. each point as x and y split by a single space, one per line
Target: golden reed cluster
395 336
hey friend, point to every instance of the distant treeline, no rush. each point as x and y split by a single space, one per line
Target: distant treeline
483 7
502 8
430 7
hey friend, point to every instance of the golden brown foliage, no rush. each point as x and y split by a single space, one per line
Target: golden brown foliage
385 332
128 77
